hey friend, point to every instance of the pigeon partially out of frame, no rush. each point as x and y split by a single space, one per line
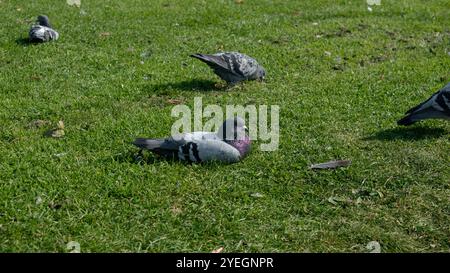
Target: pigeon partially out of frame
233 67
230 144
436 107
42 31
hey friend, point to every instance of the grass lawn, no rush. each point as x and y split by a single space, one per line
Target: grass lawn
341 75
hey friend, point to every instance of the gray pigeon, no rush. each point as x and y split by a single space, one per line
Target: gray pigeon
233 67
436 107
42 31
229 145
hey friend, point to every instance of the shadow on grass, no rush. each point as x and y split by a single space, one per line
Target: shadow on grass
145 157
137 157
192 85
408 133
25 42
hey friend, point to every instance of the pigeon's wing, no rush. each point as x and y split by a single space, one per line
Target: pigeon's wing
176 146
423 105
214 61
42 34
199 136
241 64
437 106
207 150
431 102
164 147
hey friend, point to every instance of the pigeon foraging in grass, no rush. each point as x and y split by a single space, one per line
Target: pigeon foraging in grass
436 107
229 144
233 67
42 31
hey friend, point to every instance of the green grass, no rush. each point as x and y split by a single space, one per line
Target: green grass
93 79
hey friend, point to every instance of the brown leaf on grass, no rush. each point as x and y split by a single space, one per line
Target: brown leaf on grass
60 125
219 250
174 101
175 209
53 205
339 200
104 34
331 165
56 132
239 1
35 78
38 123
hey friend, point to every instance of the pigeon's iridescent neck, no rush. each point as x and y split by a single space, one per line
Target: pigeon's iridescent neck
242 145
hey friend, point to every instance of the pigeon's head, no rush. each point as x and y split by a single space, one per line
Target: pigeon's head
233 129
43 21
261 73
234 132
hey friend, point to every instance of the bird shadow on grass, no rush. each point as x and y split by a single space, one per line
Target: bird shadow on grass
25 42
136 157
191 85
408 133
148 158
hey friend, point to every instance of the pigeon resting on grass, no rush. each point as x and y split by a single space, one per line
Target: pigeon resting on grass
42 31
436 107
229 145
233 67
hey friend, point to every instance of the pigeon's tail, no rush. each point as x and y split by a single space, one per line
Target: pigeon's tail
407 120
203 57
43 21
427 113
211 60
150 144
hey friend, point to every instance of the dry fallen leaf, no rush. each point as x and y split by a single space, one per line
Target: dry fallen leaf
38 123
105 34
53 205
35 78
175 209
60 125
76 3
174 101
239 1
56 132
331 165
220 249
335 200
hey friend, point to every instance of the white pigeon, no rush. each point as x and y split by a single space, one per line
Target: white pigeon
229 145
436 107
42 31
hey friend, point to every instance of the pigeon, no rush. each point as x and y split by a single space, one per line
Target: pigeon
42 31
436 107
233 67
229 144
